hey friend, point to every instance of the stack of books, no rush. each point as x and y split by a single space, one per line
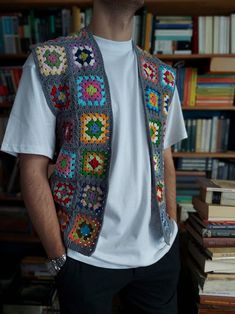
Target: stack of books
173 34
215 88
34 290
211 246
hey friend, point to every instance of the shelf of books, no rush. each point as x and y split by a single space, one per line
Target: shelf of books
197 37
211 246
33 288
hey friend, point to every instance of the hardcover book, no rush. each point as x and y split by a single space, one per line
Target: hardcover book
217 191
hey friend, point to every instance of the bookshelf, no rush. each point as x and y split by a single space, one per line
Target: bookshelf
160 7
204 155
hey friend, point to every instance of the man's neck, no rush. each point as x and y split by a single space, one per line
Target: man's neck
111 25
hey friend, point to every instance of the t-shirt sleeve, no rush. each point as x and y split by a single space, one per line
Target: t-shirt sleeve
31 125
175 126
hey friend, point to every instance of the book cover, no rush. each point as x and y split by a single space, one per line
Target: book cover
213 211
217 191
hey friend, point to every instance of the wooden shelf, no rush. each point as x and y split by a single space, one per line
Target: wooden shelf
15 56
192 56
5 105
206 108
19 238
12 198
191 7
204 155
161 7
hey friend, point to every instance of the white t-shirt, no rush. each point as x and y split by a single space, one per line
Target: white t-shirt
128 237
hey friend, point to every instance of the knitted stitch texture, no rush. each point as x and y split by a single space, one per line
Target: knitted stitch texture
76 88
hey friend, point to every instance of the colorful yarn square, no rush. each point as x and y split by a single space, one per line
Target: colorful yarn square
63 218
91 198
60 96
166 103
83 56
63 193
157 163
155 128
94 128
84 231
167 77
149 71
153 99
91 91
65 164
68 130
160 191
52 59
94 163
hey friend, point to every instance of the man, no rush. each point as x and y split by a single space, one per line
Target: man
107 218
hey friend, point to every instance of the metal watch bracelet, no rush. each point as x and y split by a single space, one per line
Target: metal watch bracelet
54 264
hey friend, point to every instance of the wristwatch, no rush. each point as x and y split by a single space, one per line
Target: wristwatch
54 264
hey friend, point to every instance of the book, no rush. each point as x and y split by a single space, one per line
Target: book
213 211
220 265
31 293
232 33
217 300
35 268
220 64
209 242
218 252
212 310
217 191
205 232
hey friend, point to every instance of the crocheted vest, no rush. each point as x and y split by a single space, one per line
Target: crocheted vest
73 78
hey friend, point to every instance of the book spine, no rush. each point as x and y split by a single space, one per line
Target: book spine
218 242
215 300
232 33
209 233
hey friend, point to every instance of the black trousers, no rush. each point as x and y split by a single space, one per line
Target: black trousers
86 289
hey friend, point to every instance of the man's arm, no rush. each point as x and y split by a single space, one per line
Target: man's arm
170 183
39 202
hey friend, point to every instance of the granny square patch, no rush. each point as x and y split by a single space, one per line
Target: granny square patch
63 193
153 99
68 130
84 231
149 71
65 164
157 163
63 218
94 163
91 198
60 96
166 103
160 191
83 56
167 78
91 91
94 128
52 60
155 128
